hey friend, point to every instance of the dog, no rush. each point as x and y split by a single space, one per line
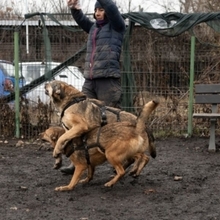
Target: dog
52 134
115 142
79 115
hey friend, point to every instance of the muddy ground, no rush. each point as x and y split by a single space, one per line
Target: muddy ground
182 183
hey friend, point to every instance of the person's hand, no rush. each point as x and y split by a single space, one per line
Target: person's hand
73 4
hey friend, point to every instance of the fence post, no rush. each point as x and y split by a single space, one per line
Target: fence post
191 85
16 61
128 82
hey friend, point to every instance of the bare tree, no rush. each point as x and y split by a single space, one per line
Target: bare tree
190 6
8 10
167 5
130 5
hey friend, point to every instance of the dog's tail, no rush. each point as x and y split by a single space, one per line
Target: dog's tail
141 124
145 113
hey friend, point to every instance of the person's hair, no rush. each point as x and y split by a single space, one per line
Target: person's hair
97 5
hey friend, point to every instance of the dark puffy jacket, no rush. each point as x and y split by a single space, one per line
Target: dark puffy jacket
104 42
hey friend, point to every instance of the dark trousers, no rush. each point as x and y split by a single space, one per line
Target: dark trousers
104 89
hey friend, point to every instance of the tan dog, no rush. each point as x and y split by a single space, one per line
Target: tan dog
80 114
51 135
118 142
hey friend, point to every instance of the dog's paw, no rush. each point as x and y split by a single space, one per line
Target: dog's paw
109 184
85 180
58 162
56 154
62 188
57 166
133 173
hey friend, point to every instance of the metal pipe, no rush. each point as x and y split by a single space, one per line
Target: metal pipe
27 29
16 63
191 86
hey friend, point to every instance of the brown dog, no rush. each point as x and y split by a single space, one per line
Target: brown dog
118 142
80 114
51 135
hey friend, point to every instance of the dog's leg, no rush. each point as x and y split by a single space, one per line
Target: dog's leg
144 161
120 172
140 162
128 163
66 137
90 174
137 159
75 179
118 168
58 162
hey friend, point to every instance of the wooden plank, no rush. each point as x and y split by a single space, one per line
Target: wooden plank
207 88
207 99
206 115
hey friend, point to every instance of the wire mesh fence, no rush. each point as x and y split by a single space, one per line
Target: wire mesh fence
54 47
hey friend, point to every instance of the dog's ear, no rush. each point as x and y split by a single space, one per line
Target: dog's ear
62 92
59 91
56 88
54 137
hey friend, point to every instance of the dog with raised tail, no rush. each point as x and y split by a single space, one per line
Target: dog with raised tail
79 115
116 142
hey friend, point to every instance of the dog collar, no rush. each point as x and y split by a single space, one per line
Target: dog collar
72 102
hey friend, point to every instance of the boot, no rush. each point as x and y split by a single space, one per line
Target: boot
68 170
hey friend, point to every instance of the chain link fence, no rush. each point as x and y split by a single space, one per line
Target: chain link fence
54 46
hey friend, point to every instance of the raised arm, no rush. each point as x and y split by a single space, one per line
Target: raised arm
83 21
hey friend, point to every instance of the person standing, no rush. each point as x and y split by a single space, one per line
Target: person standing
102 62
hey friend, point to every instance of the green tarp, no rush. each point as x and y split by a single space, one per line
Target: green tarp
173 23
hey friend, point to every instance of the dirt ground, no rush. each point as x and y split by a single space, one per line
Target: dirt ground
181 183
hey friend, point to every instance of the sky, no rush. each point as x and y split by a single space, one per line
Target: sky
148 5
